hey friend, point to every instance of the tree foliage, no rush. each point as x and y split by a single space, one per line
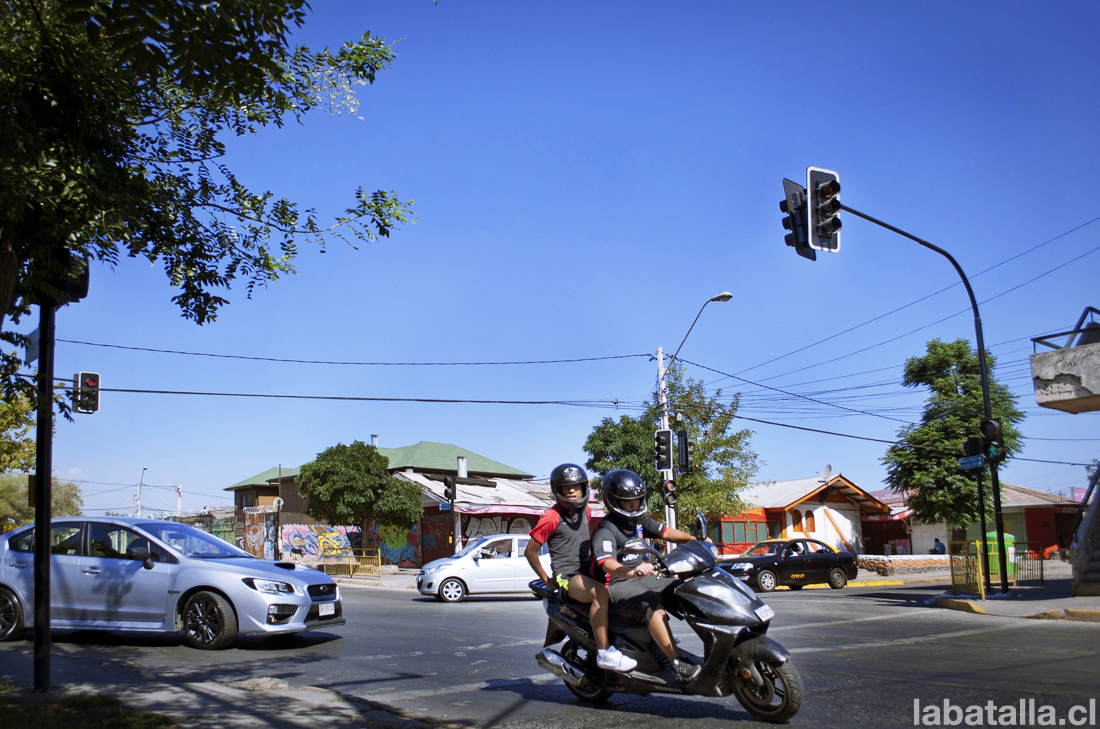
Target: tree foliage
17 445
723 459
66 500
924 464
350 484
114 114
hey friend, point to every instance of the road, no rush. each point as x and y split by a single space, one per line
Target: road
865 656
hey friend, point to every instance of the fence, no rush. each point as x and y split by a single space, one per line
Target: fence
360 563
1025 565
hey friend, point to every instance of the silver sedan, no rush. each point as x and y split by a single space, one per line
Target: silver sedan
129 574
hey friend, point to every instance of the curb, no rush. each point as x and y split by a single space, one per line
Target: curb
969 606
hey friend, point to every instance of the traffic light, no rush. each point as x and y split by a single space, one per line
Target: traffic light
86 392
449 491
824 205
670 498
993 443
972 446
794 205
683 452
663 449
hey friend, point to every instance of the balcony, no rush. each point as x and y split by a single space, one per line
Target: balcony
1067 377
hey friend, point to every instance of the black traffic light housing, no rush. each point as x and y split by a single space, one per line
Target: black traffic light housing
794 205
449 491
683 452
824 206
993 443
86 392
972 446
662 449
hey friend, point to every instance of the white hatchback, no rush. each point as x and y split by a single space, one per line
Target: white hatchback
492 564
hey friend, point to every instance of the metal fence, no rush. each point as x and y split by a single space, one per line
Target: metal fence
1024 563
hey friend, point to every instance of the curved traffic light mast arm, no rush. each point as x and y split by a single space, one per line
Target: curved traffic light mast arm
987 406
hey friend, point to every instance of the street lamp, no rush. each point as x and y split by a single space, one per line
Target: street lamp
140 483
662 390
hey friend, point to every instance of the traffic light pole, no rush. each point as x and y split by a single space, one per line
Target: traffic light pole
987 406
43 487
662 395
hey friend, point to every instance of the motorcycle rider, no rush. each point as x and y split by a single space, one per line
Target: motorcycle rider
566 528
634 586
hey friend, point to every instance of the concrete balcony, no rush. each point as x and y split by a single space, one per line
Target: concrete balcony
1067 378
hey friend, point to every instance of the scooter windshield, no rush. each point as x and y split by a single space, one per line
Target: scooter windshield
689 558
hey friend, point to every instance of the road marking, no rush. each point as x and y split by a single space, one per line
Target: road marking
901 641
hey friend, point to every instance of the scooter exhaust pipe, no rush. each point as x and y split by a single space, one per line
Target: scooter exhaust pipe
553 662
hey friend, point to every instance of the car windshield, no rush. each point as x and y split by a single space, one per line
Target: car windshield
472 546
192 542
762 549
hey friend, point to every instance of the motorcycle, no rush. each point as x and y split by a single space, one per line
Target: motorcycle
739 658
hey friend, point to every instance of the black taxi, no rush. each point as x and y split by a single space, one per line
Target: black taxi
793 563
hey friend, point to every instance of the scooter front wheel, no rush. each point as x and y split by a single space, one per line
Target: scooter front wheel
778 699
579 656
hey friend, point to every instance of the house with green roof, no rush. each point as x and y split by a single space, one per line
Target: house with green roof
493 497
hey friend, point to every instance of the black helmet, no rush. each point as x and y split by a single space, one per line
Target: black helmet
569 474
618 486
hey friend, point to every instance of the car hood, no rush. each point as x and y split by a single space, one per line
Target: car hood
266 568
440 563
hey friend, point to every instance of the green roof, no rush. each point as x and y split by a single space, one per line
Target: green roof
443 457
424 456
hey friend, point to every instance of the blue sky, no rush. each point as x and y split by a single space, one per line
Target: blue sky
585 176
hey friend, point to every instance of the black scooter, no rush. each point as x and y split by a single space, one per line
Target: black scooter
738 659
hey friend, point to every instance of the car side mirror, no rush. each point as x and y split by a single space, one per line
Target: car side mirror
141 554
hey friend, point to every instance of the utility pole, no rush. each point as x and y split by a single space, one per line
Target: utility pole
140 483
662 395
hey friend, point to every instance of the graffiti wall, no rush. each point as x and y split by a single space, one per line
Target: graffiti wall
396 546
316 542
260 527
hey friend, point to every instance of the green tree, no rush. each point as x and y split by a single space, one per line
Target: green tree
924 464
17 446
66 500
723 459
350 484
113 126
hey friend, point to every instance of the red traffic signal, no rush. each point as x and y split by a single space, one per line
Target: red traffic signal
86 392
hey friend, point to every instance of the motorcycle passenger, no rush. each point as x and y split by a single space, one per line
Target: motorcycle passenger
634 586
566 529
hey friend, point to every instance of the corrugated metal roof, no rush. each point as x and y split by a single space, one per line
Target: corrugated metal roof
509 496
429 456
264 478
1013 495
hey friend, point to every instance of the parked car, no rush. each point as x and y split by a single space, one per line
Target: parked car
491 564
131 574
794 563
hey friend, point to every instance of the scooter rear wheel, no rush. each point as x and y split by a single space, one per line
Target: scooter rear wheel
778 699
577 655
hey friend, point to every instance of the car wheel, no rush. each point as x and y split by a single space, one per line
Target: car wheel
452 590
837 578
765 580
209 621
11 616
795 587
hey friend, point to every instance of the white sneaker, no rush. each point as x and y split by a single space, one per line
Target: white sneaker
613 659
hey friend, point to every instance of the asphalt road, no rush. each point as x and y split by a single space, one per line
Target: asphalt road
865 656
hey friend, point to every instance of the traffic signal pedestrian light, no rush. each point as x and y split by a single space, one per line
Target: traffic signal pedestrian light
824 206
794 205
972 446
86 392
993 443
449 491
663 449
683 452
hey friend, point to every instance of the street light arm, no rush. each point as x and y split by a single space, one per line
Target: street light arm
724 296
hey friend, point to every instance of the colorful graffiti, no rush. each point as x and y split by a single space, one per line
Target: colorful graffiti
259 532
317 541
395 545
479 526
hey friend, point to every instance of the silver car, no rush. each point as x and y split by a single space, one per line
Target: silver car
485 565
128 574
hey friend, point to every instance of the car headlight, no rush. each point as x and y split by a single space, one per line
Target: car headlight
741 566
430 570
269 586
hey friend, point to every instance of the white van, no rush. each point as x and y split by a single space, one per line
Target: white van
492 564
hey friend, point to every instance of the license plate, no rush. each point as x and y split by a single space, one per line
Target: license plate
326 608
764 612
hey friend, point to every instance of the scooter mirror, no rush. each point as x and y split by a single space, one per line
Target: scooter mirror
702 525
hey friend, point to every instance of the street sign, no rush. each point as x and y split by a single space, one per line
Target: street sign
972 463
32 347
